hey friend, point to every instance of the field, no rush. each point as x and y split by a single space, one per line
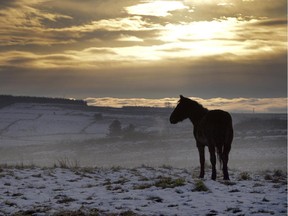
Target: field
97 160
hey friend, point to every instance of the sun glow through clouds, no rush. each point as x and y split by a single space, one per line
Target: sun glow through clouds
156 8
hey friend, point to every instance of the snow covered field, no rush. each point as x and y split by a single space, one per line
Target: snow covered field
139 191
44 135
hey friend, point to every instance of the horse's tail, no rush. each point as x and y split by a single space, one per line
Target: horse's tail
224 146
219 150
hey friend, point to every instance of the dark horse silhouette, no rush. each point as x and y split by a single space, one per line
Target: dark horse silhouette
211 128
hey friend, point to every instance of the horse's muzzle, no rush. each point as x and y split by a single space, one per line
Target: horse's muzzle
172 120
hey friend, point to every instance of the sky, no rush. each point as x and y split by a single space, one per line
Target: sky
144 49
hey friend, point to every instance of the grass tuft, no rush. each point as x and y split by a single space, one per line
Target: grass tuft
200 187
66 163
244 176
168 182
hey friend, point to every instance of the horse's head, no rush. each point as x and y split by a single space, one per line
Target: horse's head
180 112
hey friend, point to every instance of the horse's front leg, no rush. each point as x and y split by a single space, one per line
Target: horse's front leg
201 149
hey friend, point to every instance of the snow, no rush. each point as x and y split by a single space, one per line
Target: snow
102 176
118 190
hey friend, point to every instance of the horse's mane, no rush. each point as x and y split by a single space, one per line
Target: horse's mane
192 103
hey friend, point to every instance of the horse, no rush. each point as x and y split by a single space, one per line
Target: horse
212 128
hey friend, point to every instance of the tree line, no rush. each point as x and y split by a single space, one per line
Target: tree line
9 99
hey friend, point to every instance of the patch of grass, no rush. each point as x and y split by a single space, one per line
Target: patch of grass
234 191
107 182
116 168
258 185
115 188
71 213
227 183
17 166
234 210
128 213
142 186
200 187
64 199
278 176
147 167
26 213
122 180
143 178
80 212
37 175
168 182
278 173
10 204
168 167
244 176
212 213
66 163
268 177
264 212
162 182
155 199
89 170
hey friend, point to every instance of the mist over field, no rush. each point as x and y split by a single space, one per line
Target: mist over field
43 134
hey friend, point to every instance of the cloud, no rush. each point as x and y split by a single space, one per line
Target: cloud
156 8
124 37
272 22
209 10
33 25
204 48
249 105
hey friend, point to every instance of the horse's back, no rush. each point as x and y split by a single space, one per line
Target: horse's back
216 126
218 118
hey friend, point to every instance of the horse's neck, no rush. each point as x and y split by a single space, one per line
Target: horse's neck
196 116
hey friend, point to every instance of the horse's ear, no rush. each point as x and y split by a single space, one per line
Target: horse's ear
181 97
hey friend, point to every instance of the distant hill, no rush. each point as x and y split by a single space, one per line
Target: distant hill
6 100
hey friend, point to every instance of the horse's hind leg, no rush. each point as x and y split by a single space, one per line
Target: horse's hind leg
201 149
213 162
225 158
